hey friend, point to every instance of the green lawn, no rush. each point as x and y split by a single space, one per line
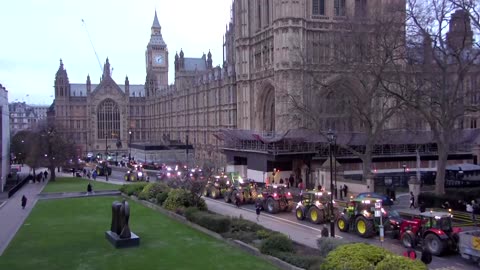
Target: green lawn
69 234
66 184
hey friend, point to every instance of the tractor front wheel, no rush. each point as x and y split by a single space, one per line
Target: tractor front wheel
300 213
273 206
226 197
365 227
408 239
434 244
342 224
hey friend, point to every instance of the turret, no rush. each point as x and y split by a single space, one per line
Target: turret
181 60
460 34
106 70
89 85
176 62
127 86
62 85
209 60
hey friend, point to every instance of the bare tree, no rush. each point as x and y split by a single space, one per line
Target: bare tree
344 73
443 60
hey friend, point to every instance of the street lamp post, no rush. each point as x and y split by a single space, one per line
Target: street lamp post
105 165
404 171
129 145
331 139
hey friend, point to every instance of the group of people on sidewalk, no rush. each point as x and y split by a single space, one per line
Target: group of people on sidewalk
40 177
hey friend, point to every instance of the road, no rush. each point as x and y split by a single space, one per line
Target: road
307 233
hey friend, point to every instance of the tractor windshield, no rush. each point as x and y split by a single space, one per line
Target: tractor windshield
444 224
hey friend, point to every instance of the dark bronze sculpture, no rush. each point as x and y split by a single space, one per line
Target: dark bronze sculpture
120 217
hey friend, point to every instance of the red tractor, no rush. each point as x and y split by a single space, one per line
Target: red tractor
276 198
432 230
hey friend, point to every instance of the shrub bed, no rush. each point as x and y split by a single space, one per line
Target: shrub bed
181 198
276 243
361 256
213 222
133 189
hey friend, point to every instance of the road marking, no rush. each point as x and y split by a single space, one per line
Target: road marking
274 217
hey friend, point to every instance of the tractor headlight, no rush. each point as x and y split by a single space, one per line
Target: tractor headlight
140 174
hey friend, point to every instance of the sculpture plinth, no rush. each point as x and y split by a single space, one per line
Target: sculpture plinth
120 235
117 242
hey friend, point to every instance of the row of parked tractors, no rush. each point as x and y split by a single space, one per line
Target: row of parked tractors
273 199
432 230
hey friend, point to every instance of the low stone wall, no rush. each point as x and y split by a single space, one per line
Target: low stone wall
236 243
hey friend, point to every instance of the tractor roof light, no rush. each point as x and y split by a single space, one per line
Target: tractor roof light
319 193
217 177
275 195
366 201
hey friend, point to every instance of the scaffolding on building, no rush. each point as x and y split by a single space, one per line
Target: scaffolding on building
303 141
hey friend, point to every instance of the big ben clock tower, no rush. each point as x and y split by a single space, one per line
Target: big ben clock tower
156 58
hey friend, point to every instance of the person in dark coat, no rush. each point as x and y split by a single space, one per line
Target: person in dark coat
24 201
89 188
291 180
45 173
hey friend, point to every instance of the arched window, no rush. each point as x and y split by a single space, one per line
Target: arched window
269 110
108 120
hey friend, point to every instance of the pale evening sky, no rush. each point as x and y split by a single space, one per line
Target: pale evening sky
37 33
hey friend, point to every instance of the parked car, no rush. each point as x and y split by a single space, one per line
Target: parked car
386 200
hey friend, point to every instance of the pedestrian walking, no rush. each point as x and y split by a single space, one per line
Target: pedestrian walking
94 175
345 190
412 200
89 188
257 210
24 201
45 173
291 180
475 211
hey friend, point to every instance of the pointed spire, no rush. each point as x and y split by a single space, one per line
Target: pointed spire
106 69
61 64
156 24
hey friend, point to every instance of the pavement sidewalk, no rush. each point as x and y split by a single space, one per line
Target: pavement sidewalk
12 215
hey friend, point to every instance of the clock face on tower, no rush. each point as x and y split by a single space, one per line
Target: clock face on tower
159 59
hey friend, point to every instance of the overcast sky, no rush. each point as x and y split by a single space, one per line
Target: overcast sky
35 34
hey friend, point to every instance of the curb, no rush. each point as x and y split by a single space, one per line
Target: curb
2 204
236 243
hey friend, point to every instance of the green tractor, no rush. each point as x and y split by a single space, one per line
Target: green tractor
216 187
359 217
316 207
103 169
244 192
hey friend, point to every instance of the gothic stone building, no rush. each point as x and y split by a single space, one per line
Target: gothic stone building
109 117
237 114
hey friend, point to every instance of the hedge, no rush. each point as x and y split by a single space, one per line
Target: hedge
132 189
360 256
327 244
213 222
181 198
151 190
276 242
400 263
300 260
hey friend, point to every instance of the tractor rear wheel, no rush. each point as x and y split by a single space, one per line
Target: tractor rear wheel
434 244
315 215
290 205
300 213
342 224
226 196
214 193
273 206
408 239
365 227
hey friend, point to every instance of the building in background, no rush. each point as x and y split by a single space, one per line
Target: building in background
26 117
4 137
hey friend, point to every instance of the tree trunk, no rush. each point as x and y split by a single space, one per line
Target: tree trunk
367 169
441 167
52 173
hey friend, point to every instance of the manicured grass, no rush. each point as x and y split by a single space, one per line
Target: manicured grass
66 184
69 234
